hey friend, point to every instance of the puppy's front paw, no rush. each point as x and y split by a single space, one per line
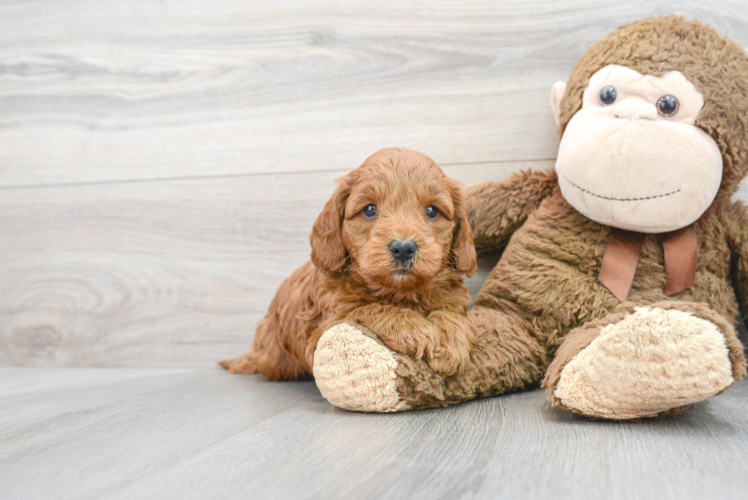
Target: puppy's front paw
457 339
355 372
448 360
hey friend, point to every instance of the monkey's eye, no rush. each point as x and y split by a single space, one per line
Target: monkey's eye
432 212
370 211
608 95
667 105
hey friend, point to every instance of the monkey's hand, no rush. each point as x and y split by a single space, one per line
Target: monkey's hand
738 234
496 209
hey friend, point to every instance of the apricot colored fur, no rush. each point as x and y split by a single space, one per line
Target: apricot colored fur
351 276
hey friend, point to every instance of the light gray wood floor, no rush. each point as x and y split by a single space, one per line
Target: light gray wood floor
94 433
161 164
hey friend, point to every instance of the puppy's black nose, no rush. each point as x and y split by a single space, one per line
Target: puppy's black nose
403 250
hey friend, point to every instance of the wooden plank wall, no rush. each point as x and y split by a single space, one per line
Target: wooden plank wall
161 163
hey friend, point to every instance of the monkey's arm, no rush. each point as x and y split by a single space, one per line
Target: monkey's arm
495 209
738 233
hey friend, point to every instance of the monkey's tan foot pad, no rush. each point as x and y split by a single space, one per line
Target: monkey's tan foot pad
651 361
355 372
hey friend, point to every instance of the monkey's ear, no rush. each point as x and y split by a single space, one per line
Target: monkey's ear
463 256
328 250
557 93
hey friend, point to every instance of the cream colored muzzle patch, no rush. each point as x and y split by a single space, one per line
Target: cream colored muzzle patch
649 362
355 372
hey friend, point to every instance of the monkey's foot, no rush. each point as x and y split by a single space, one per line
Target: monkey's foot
355 371
646 361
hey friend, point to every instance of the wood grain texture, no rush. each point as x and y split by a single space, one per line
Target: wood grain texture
91 91
116 433
167 273
161 163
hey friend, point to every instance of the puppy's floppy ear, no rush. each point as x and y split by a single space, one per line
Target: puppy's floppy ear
328 250
463 254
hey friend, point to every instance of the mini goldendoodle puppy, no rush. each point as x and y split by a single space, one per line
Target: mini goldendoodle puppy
389 252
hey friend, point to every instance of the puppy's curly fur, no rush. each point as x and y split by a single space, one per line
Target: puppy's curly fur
419 309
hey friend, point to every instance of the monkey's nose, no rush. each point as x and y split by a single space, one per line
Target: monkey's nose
635 110
403 250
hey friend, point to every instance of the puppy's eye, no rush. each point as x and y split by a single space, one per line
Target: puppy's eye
667 105
432 212
370 211
608 95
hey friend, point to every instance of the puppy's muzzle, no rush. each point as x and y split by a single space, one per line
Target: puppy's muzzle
403 251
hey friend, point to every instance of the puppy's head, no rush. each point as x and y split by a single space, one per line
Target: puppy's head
397 221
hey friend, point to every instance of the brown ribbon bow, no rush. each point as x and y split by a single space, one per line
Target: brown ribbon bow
622 255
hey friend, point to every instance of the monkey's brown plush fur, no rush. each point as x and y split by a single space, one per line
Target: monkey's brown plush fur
543 306
418 308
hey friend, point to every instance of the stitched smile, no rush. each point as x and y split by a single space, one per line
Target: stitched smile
621 199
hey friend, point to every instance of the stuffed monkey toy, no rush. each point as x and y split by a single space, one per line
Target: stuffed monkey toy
624 269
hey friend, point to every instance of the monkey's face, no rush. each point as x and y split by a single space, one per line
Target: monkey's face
632 157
